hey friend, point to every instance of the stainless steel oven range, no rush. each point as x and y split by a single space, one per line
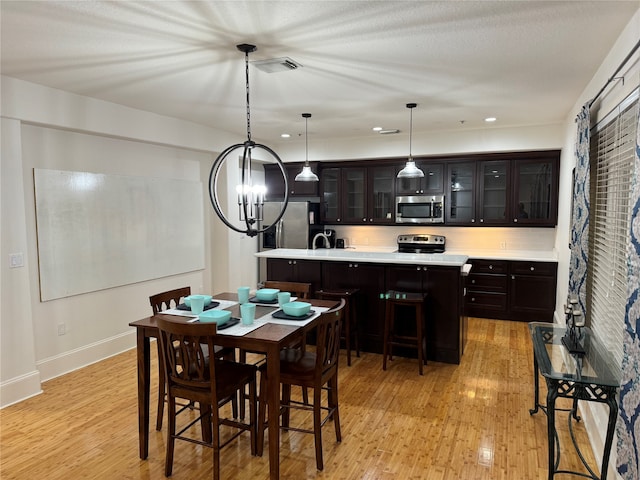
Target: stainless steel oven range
421 243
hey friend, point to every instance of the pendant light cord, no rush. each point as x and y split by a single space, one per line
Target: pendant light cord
246 62
306 140
410 132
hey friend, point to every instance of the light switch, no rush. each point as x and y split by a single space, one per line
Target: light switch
16 260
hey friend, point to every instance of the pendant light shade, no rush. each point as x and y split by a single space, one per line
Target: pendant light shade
306 175
410 170
250 195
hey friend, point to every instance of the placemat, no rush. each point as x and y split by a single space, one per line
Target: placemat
283 316
183 306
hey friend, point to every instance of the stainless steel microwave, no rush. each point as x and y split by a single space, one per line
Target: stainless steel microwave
420 209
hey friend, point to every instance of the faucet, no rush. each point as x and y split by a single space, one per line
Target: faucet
325 240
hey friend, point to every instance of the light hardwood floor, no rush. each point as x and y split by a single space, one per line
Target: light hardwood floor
469 421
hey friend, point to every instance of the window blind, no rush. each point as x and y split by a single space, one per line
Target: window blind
611 162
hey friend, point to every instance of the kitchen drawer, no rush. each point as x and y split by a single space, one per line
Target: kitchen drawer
489 266
491 283
534 268
486 300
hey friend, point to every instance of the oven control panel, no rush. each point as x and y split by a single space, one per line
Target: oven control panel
421 239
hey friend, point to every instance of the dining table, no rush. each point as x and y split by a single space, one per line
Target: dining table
265 336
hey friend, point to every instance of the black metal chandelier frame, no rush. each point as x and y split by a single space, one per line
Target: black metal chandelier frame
250 212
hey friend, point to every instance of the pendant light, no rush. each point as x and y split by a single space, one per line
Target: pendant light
410 170
250 195
306 175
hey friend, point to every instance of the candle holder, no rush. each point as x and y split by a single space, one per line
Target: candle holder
572 339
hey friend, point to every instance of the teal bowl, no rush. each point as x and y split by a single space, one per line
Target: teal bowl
207 300
215 316
296 309
267 294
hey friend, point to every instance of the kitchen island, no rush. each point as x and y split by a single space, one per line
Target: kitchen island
439 276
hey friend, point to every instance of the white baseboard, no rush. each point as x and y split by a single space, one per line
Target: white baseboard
72 360
20 388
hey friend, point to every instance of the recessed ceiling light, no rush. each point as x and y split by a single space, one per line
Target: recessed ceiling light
490 119
376 129
285 135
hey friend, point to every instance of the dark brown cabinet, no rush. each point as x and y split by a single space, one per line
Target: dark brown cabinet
512 290
487 288
369 278
460 196
293 270
532 290
357 195
535 192
445 322
431 184
274 181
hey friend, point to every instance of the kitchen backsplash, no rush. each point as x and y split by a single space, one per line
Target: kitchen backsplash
458 238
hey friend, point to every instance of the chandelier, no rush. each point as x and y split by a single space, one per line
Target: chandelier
250 195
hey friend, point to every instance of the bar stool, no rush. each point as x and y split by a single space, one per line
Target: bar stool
415 300
350 315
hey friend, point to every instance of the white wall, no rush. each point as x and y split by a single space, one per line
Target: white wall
47 128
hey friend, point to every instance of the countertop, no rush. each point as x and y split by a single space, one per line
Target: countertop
373 254
353 255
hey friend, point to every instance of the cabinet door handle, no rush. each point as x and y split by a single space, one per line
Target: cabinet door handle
513 277
424 269
418 268
473 220
515 220
473 281
473 299
295 262
371 219
490 267
533 268
482 220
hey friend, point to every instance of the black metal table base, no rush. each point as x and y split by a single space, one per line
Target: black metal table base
574 391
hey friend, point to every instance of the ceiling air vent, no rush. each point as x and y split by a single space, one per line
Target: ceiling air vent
389 132
273 65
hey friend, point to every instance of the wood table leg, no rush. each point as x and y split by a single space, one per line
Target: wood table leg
144 379
273 392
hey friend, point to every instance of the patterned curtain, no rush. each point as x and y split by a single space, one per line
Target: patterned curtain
628 426
580 213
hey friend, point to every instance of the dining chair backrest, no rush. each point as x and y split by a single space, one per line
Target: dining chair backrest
165 300
185 348
328 339
298 289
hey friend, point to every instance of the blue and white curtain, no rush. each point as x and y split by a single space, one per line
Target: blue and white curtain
628 426
580 212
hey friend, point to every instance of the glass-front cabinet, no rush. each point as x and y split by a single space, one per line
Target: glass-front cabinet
330 200
535 192
460 199
382 197
493 192
430 184
354 186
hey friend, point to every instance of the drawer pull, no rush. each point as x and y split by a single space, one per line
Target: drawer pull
473 281
490 267
532 269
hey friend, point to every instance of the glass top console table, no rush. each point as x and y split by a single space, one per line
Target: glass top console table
592 376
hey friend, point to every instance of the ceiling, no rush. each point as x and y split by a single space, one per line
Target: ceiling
524 62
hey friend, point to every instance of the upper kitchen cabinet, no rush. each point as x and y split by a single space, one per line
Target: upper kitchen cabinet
275 182
493 192
430 184
357 195
535 191
503 190
381 200
460 195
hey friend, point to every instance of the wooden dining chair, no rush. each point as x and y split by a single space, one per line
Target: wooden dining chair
317 370
212 383
164 301
297 289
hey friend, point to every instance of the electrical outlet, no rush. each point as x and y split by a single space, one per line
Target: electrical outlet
62 329
503 245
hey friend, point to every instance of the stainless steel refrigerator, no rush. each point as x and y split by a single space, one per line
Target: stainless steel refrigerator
296 229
